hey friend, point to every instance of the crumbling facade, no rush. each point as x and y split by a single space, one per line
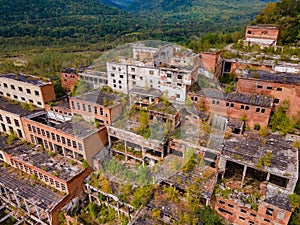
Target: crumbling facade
69 78
257 177
212 62
38 201
251 108
262 35
95 78
172 72
281 86
25 88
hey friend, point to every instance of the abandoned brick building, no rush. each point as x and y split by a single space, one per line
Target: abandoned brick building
25 88
281 86
74 138
252 108
263 35
213 62
27 192
96 105
69 78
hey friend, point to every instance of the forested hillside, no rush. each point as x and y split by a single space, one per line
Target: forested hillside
78 23
200 16
96 25
286 15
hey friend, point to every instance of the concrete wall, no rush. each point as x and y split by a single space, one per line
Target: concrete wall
117 77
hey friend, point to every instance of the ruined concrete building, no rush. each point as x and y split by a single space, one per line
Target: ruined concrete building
170 70
263 35
10 117
258 174
25 88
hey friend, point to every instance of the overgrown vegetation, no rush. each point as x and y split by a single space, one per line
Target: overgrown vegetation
280 121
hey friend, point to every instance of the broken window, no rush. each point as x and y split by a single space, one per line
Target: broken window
269 88
277 180
276 101
279 89
224 211
259 86
242 106
257 109
269 211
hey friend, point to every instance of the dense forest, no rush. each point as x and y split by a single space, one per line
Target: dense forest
76 25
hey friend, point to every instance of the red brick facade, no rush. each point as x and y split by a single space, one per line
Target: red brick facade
262 32
105 114
280 92
252 114
68 80
265 215
212 61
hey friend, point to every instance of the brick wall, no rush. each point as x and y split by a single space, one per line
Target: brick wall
68 80
234 110
241 215
279 91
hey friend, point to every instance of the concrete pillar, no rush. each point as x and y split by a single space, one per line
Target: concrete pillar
268 177
244 174
7 195
26 205
17 200
37 211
